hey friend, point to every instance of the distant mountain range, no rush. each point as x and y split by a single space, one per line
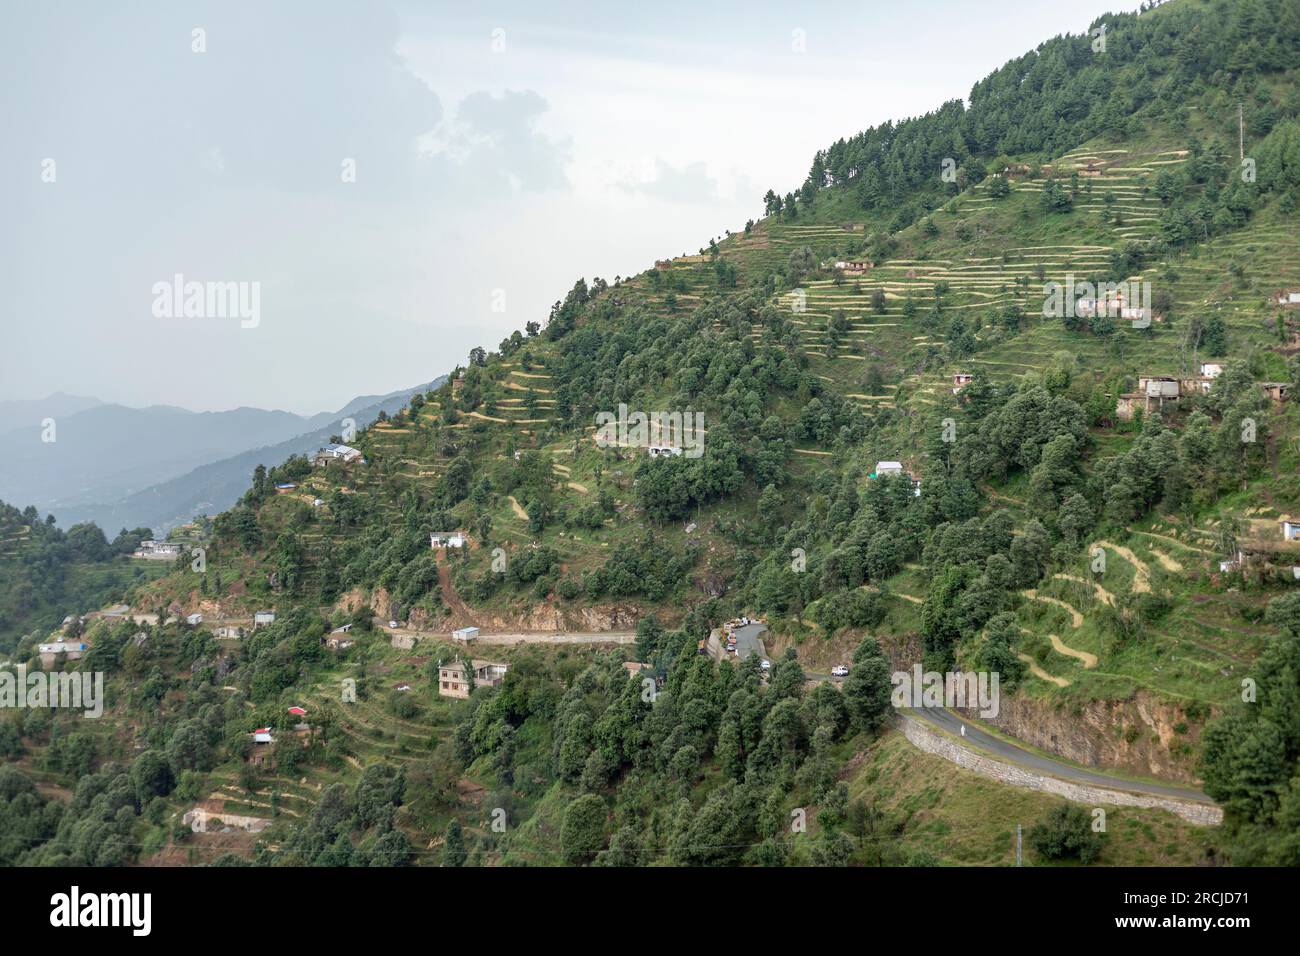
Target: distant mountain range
157 466
15 414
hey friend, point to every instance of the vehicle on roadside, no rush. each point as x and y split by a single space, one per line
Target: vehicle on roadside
840 670
392 624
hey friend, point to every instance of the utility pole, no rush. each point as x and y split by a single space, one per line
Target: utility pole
1018 863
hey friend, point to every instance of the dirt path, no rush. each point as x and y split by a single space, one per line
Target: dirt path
1042 674
1075 617
517 508
1058 645
1174 541
581 489
908 597
247 801
1167 561
1089 660
1142 577
1102 594
449 595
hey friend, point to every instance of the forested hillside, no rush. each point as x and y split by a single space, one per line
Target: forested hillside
1118 561
47 574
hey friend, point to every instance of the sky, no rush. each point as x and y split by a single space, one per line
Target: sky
360 193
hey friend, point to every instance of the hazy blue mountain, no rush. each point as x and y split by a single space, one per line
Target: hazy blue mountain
110 460
215 485
32 411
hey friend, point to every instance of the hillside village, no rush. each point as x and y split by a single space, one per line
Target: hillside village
486 631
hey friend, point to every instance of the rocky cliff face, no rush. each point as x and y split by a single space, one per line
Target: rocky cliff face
1134 736
530 617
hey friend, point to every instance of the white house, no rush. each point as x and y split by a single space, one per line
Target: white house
1290 529
157 550
447 539
663 451
854 266
194 619
344 453
262 735
263 617
1288 297
1211 369
465 634
888 468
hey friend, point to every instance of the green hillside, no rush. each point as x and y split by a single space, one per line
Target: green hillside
1071 549
47 574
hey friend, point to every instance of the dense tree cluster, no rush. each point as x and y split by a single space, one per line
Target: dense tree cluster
771 740
1149 67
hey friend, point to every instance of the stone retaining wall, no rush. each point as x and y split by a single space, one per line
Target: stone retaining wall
931 741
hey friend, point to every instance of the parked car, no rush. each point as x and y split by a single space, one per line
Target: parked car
392 624
840 670
766 664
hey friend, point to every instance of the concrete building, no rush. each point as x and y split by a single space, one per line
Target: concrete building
67 650
1152 393
453 680
336 453
151 550
1276 391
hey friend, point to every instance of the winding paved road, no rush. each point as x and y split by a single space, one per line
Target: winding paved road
977 739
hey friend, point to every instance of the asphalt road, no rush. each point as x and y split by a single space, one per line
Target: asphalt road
978 739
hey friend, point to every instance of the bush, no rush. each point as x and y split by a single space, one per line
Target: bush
1066 833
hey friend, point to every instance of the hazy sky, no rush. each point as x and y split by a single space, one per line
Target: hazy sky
510 147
